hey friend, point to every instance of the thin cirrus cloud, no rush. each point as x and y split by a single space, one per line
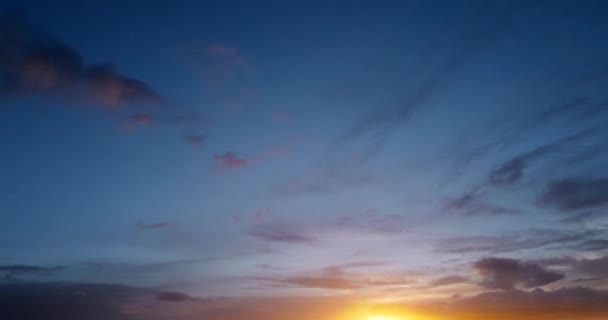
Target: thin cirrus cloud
449 280
313 231
231 160
473 204
340 278
15 271
548 239
154 225
278 233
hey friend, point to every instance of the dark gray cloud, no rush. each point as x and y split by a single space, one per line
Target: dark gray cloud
571 195
63 301
508 274
34 63
547 239
596 268
537 304
592 267
14 271
173 296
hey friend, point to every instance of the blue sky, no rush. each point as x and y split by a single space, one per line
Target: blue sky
354 148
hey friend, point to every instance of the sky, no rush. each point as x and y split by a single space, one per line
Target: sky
304 159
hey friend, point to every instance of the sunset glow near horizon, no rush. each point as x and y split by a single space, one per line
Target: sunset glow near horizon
322 160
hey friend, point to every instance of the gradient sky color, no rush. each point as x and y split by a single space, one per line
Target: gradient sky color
394 151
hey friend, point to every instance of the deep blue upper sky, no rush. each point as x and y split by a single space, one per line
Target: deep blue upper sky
242 148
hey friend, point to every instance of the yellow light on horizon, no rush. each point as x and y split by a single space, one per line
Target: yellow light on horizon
385 318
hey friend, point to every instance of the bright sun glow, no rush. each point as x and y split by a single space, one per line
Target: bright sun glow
385 318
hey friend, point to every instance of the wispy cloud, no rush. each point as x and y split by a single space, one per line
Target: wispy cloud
273 232
230 161
154 225
548 239
449 280
12 272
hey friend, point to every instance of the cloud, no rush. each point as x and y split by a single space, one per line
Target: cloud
471 204
12 272
508 274
33 63
64 301
322 181
138 120
338 278
486 24
230 160
173 296
449 280
279 233
156 225
548 239
592 267
587 267
580 217
513 170
564 303
570 195
321 282
112 89
195 139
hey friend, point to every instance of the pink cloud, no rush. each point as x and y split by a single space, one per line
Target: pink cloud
230 160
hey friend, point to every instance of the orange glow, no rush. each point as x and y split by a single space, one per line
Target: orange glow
386 318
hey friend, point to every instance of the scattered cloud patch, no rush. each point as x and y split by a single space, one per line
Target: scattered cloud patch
230 161
509 274
571 195
34 63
